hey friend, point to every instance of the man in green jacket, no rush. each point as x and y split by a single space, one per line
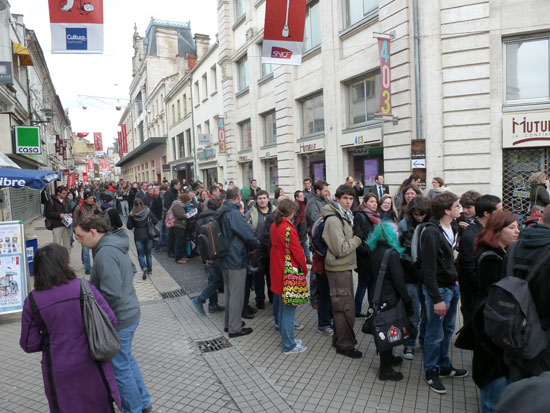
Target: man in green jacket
340 261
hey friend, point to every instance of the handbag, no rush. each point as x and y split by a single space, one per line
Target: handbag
295 289
154 231
389 327
102 337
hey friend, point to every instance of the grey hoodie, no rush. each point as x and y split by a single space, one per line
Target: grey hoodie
113 274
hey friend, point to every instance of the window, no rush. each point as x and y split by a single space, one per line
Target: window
270 128
199 131
181 146
267 68
141 133
272 175
363 99
313 116
527 70
197 93
185 106
356 10
242 69
173 114
189 144
174 148
246 134
312 32
139 103
240 9
213 79
205 86
179 109
207 127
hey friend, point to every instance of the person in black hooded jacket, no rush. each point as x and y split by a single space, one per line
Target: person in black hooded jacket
139 221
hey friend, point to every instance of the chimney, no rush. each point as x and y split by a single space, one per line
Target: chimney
202 44
191 60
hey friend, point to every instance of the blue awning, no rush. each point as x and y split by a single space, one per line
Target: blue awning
30 178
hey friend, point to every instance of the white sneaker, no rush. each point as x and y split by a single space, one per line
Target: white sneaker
408 353
298 341
298 349
326 331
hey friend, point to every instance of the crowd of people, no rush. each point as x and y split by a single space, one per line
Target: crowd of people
438 253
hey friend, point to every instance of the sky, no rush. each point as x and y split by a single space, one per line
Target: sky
108 74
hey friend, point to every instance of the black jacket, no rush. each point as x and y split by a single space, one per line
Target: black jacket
467 260
140 226
131 197
156 206
362 227
393 287
406 232
440 272
55 208
114 216
169 197
539 195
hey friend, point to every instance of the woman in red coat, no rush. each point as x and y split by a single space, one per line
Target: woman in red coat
286 209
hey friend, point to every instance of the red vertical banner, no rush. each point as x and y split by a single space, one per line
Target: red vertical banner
385 76
57 145
90 165
157 165
221 136
124 138
85 178
71 180
120 151
98 142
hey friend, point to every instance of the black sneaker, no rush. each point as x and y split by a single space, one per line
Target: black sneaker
245 331
453 372
396 360
390 374
88 272
260 306
434 381
350 352
226 330
248 316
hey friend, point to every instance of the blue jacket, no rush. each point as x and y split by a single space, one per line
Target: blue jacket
239 234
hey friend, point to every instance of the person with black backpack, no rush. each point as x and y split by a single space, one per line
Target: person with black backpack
215 277
440 289
489 370
110 213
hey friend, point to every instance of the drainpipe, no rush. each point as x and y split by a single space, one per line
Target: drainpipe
418 99
195 170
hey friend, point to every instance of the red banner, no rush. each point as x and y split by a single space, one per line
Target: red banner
90 165
284 31
98 142
120 151
124 139
71 180
385 77
221 136
157 164
57 145
85 177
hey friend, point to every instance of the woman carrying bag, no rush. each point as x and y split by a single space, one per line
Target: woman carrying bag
52 323
140 219
287 266
386 252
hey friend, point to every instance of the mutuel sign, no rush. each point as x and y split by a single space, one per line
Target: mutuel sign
525 129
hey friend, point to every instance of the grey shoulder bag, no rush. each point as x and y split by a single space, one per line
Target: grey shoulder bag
102 337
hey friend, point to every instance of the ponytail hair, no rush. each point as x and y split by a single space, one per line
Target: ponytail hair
285 208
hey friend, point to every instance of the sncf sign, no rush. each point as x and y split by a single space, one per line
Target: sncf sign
280 53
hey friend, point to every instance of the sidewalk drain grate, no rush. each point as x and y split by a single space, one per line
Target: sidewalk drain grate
173 294
218 343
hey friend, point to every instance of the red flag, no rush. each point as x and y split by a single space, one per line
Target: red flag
85 177
98 142
71 180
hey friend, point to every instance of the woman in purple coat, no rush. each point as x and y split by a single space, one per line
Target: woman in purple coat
73 381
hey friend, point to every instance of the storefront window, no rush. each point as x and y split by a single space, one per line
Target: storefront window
210 176
246 172
271 175
366 163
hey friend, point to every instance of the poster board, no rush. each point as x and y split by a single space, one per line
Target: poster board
13 267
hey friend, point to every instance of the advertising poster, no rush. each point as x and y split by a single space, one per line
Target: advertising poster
284 31
370 169
318 172
12 267
76 26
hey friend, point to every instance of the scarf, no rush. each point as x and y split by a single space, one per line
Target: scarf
347 212
374 217
302 214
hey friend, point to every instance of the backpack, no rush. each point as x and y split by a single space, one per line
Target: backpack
319 244
169 218
106 217
511 318
211 243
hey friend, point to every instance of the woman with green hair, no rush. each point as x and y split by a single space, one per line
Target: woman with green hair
385 237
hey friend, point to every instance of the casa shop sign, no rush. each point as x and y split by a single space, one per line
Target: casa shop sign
525 129
27 140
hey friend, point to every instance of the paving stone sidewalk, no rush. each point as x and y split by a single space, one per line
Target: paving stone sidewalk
251 375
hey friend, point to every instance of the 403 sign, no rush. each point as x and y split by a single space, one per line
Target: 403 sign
385 76
27 140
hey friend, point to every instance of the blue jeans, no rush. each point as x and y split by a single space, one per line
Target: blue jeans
144 248
215 281
439 330
286 322
85 255
413 289
305 247
133 393
162 243
490 394
363 282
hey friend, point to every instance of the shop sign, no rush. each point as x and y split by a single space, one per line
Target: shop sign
316 146
206 154
204 139
362 137
27 140
525 129
165 167
244 158
5 73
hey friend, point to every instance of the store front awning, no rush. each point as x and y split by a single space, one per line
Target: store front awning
29 178
23 53
145 147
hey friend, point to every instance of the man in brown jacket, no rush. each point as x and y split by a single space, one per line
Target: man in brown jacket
340 261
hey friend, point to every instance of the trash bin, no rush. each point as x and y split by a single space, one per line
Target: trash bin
31 244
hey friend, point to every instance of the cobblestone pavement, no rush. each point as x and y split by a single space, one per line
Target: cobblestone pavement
250 375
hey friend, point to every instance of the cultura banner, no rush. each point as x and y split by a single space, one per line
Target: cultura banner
98 143
284 31
76 26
